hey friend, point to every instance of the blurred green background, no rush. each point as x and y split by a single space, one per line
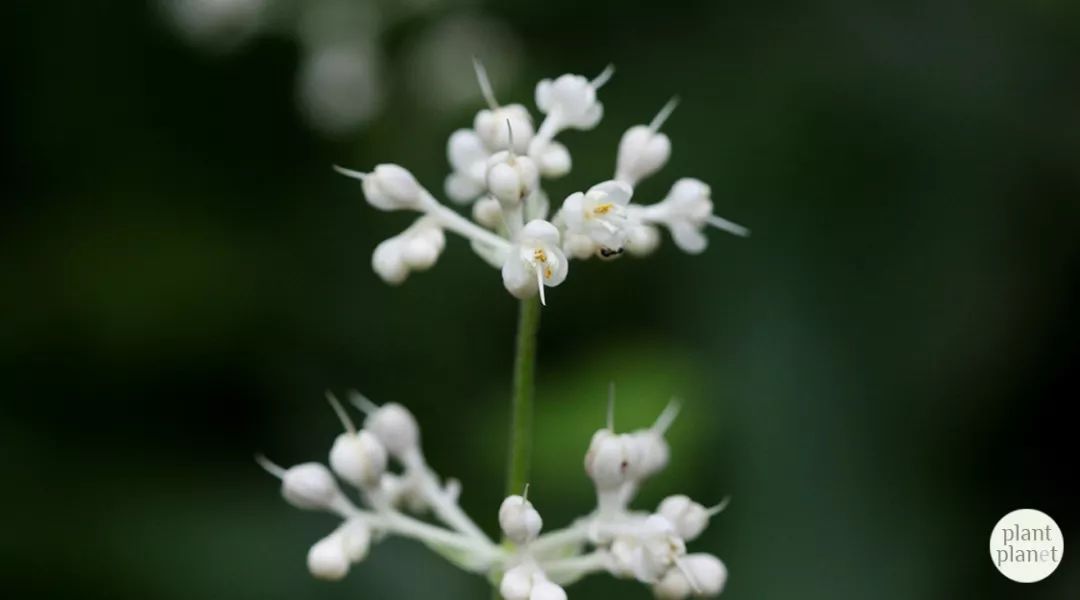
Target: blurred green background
876 376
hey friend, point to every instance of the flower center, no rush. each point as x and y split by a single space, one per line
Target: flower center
603 209
539 255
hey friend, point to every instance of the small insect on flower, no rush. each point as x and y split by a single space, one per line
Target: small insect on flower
499 166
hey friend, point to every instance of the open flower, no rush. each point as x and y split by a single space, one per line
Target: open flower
600 214
535 261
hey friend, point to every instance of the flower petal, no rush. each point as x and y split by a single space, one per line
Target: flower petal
616 191
542 231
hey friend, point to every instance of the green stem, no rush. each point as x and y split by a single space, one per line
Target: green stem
521 404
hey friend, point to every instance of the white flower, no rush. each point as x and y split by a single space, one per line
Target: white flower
511 178
652 451
396 428
519 520
688 517
468 158
552 158
415 249
578 245
358 458
487 212
708 573
356 539
600 214
643 150
571 100
491 127
516 583
526 582
535 261
686 211
310 486
544 589
641 239
327 558
612 459
649 552
388 262
389 187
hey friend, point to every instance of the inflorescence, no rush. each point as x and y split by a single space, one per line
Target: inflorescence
498 166
648 547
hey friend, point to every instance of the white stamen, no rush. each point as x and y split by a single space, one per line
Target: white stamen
346 422
719 508
510 139
485 84
361 401
728 226
351 173
525 494
540 283
603 77
667 416
658 120
270 466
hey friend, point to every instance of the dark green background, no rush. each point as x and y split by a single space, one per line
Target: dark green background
876 376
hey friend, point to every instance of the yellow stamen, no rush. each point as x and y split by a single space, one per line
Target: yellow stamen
603 209
547 273
540 255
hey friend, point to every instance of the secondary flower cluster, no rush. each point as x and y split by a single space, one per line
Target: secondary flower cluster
648 547
498 167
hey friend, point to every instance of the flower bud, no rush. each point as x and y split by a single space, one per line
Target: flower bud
642 240
419 253
519 520
544 589
390 187
487 212
571 99
611 459
653 452
310 486
395 427
327 558
708 572
468 157
358 458
578 245
511 178
388 262
491 126
516 583
672 586
552 158
688 517
356 540
642 152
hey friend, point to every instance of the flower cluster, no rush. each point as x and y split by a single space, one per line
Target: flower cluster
647 546
498 168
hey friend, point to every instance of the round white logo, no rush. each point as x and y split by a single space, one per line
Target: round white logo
1026 545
